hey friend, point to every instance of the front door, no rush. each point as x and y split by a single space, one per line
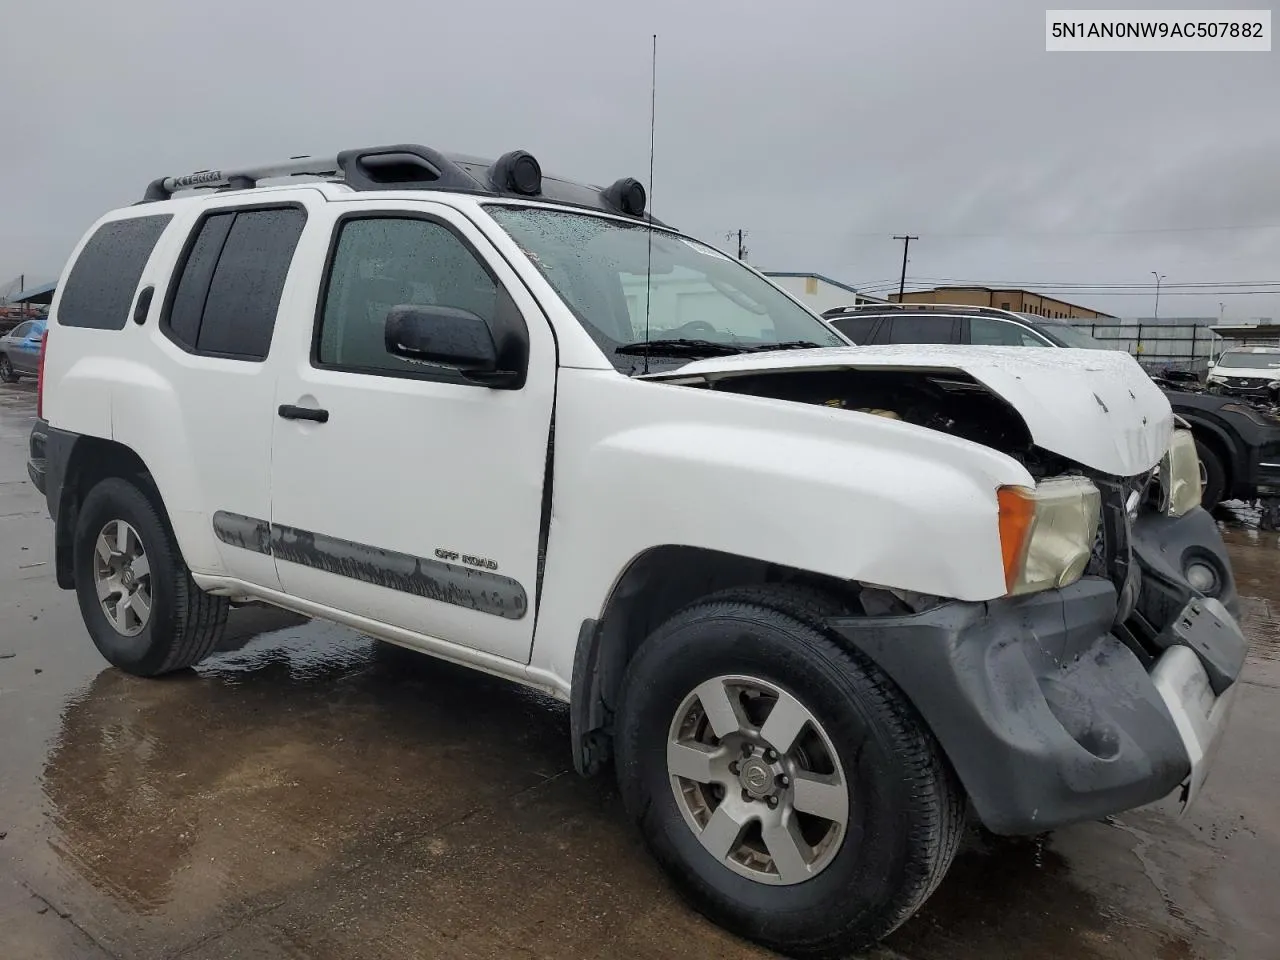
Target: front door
415 499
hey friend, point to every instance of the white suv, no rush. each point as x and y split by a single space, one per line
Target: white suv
812 600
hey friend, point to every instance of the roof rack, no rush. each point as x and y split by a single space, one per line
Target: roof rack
411 166
964 308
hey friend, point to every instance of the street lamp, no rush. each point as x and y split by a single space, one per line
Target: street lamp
1159 277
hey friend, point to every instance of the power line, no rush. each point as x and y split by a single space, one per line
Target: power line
1205 286
1040 233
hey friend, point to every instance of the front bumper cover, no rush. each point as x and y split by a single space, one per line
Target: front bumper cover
1048 717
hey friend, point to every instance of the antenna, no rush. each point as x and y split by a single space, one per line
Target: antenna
648 274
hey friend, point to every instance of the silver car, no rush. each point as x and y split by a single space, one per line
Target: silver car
20 350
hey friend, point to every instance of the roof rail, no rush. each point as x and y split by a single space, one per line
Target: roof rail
410 166
965 308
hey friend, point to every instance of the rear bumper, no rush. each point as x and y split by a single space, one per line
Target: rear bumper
1047 716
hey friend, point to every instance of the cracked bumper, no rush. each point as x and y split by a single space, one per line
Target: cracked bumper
1047 716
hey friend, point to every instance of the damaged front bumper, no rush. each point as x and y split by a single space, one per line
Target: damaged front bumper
1048 712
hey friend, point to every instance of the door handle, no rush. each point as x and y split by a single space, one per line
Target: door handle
291 412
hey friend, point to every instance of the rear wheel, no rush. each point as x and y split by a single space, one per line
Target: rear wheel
1213 476
7 373
142 609
783 782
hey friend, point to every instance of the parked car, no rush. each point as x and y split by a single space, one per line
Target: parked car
1238 443
811 600
1245 371
20 351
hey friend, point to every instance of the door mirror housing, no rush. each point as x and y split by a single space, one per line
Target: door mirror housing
448 337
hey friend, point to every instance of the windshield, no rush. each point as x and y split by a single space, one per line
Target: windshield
1255 361
1071 336
598 267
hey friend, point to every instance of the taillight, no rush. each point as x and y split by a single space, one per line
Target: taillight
44 349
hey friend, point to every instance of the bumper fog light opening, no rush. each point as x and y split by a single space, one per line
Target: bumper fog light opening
1202 577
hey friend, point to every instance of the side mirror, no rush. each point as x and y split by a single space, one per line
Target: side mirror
447 337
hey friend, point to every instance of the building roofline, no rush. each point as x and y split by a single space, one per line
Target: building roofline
816 276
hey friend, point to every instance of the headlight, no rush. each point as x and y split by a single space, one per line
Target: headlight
1180 475
1217 377
1047 534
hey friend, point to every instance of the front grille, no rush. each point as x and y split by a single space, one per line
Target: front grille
1112 555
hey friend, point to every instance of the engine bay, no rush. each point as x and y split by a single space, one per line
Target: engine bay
950 402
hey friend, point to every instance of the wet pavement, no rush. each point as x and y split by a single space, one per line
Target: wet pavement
311 793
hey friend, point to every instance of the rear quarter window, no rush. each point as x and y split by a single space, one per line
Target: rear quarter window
101 285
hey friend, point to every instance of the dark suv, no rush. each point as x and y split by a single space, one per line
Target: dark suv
1238 441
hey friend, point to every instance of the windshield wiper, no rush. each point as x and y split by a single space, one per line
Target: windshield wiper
679 348
784 345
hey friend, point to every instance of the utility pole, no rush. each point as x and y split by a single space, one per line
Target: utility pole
902 281
1159 277
742 235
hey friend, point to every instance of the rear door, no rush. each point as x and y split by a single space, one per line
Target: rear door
218 328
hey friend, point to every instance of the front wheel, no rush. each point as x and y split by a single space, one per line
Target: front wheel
782 781
7 373
142 609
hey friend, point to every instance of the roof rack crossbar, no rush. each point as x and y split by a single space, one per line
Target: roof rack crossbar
163 188
416 166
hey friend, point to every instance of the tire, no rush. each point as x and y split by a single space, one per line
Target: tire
182 624
7 373
905 809
1214 489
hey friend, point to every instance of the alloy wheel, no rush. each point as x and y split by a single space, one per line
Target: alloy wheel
757 780
122 575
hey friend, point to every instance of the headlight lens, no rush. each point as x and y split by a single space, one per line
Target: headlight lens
1047 534
1180 475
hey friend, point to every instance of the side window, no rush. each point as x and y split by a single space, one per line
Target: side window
22 330
227 296
996 333
105 277
382 262
921 329
857 329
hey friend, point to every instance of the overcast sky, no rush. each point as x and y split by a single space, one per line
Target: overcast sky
822 128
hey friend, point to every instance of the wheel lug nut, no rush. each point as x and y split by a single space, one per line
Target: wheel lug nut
770 755
733 766
773 802
746 795
784 780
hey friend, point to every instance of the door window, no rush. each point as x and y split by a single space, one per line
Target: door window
22 330
857 329
984 331
228 293
382 262
920 329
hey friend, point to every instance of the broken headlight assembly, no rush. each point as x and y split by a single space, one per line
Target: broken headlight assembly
1180 475
1047 533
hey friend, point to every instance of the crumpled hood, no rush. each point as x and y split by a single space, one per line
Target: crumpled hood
1096 407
